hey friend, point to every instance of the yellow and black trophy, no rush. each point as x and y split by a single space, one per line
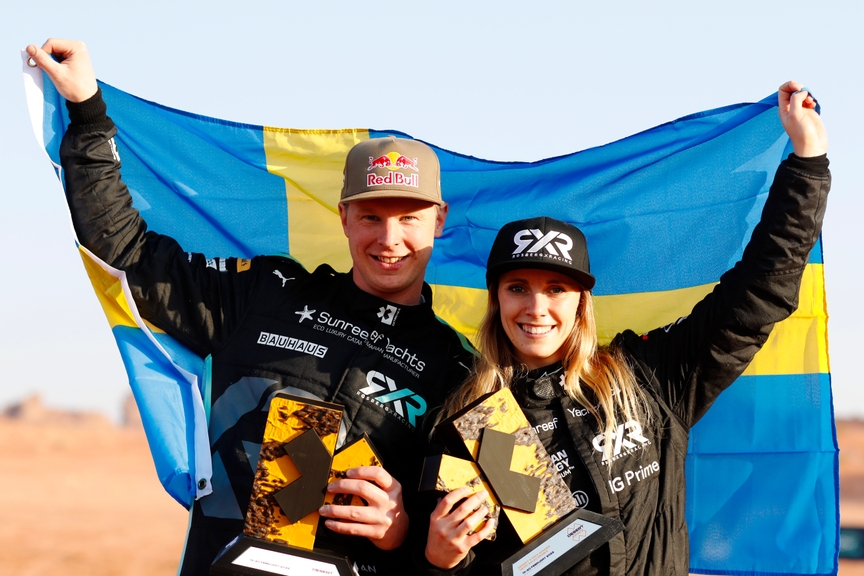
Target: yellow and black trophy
296 463
504 456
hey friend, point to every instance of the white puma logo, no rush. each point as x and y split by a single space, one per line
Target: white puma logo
279 274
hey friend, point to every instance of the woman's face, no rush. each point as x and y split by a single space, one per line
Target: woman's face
538 311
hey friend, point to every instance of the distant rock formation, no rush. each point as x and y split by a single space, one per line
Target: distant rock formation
32 410
130 417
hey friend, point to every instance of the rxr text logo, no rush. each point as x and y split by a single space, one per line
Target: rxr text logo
626 437
414 405
537 241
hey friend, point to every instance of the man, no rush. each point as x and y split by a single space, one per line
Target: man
367 331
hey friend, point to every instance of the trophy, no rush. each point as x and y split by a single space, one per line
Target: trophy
502 454
296 463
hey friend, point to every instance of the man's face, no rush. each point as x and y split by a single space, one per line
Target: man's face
391 243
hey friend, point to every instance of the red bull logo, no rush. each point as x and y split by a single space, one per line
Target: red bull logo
397 178
405 162
392 161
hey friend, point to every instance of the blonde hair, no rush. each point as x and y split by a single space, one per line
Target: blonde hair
597 377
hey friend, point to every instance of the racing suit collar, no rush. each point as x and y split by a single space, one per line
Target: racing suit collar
540 383
386 313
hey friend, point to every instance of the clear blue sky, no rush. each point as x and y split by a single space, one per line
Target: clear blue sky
499 80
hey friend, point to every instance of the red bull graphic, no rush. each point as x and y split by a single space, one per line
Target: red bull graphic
380 162
397 178
405 162
393 161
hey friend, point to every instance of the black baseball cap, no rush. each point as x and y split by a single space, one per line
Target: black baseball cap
541 242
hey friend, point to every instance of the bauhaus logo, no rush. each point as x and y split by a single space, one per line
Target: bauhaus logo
404 402
289 343
531 241
628 438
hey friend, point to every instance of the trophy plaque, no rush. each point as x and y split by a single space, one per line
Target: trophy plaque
295 465
496 449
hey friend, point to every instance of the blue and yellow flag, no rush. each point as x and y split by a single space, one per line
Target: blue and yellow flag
665 211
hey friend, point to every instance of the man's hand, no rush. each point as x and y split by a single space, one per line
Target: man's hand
384 521
800 120
451 530
73 75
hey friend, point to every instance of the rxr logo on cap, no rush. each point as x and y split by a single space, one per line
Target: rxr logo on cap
534 240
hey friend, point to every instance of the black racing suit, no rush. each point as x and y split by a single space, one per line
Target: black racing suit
267 325
682 368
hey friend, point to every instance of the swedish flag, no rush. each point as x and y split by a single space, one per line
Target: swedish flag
665 211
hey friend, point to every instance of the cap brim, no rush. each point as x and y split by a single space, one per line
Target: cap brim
383 194
585 279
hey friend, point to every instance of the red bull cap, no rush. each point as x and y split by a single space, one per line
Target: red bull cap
392 168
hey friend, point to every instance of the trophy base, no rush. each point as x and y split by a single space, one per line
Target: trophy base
562 545
247 556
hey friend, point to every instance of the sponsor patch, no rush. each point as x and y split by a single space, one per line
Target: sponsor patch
305 314
217 264
393 178
561 460
387 314
531 241
631 477
393 161
284 280
581 498
404 403
290 343
628 438
114 152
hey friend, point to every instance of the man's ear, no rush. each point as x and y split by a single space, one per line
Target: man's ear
440 218
343 217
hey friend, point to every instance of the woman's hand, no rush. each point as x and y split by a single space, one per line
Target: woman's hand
452 530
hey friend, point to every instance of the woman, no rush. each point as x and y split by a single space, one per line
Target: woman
626 410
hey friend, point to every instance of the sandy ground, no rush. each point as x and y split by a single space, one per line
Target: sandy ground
850 438
83 499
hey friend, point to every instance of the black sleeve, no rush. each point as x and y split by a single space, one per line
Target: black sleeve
423 567
689 363
196 299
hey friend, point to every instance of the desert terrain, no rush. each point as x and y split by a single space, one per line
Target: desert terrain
79 496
